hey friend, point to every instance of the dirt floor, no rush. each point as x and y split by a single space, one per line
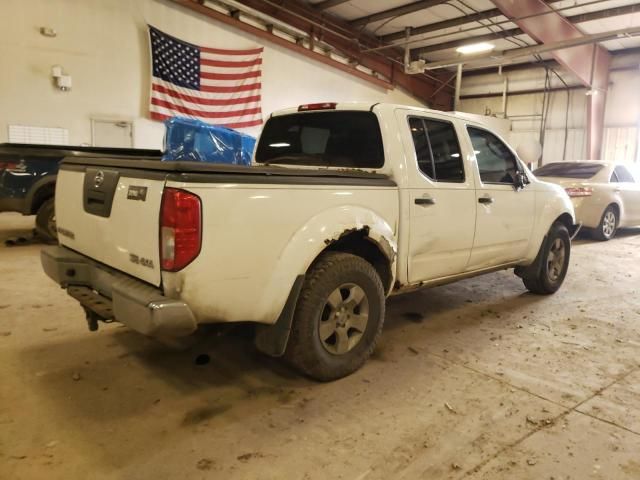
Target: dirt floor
478 379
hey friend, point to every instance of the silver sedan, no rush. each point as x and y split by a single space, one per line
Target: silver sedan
605 195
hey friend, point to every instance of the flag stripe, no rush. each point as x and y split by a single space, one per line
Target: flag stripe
204 106
225 63
239 88
229 76
160 113
204 113
205 101
221 51
201 94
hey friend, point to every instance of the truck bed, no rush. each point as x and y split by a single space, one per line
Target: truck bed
207 172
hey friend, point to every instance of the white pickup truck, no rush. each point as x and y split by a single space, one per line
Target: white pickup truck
345 204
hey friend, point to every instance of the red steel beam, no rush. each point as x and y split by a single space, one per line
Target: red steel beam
195 6
304 17
589 63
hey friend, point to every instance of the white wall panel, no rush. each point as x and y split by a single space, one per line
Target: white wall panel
622 118
103 45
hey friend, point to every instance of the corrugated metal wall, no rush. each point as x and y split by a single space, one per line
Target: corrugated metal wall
567 111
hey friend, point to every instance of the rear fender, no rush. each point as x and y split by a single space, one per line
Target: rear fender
39 192
313 238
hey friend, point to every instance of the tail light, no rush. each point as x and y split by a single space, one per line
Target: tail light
180 229
317 106
579 191
8 165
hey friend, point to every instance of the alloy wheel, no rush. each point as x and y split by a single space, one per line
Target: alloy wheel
344 319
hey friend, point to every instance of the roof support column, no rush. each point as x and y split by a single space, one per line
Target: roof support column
589 63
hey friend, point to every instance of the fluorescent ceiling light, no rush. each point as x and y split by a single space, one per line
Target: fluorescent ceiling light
475 48
279 145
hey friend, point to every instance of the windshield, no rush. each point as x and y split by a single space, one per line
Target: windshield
569 170
328 139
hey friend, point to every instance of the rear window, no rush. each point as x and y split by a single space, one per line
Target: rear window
326 139
569 170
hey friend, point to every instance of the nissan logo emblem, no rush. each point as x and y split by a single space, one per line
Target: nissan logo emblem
98 180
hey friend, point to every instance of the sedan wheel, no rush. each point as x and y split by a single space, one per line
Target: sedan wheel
609 224
606 230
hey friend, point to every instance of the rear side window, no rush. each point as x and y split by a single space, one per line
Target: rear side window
496 163
580 170
437 149
623 175
326 139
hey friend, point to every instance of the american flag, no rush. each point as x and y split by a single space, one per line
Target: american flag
211 84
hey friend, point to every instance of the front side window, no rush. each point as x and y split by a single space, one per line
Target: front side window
350 139
623 174
496 162
437 149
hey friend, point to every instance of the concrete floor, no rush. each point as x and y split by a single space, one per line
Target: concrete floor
477 379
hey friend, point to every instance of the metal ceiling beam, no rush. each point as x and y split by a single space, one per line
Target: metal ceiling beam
510 56
396 12
515 67
341 37
580 18
329 4
453 22
197 7
589 63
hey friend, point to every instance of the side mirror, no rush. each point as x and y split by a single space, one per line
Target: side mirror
520 180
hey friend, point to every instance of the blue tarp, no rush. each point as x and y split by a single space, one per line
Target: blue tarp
193 140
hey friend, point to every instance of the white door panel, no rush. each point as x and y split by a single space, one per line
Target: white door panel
626 186
442 213
503 227
504 215
441 233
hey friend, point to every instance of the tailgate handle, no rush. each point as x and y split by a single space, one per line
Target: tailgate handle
94 197
99 188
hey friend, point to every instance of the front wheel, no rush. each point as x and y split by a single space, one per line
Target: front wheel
546 274
338 317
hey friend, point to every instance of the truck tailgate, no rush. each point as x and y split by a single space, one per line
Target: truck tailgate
112 215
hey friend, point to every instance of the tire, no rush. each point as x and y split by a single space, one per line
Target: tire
338 317
46 221
546 274
608 225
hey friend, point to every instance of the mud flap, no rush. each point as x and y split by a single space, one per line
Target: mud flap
272 339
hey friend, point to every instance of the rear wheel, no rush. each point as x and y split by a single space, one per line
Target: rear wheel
338 317
46 221
546 274
608 225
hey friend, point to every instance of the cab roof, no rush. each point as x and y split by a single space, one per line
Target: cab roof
363 106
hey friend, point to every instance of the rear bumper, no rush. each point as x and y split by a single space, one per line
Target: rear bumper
111 294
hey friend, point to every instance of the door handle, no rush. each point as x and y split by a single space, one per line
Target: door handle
485 200
425 201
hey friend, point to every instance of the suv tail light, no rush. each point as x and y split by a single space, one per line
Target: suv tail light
8 165
180 229
579 191
317 106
